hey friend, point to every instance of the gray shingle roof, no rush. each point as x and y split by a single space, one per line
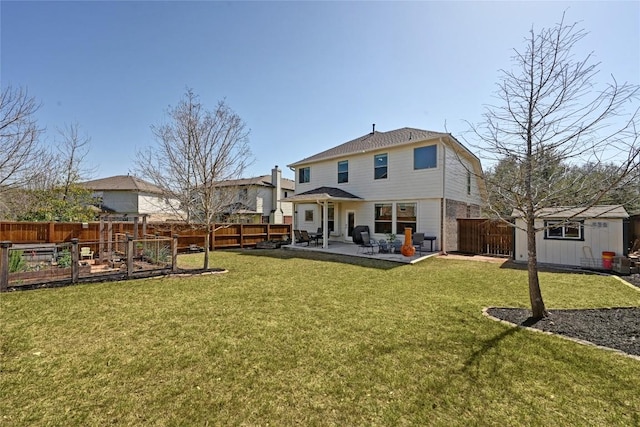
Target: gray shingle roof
331 191
322 193
598 211
122 183
373 141
264 181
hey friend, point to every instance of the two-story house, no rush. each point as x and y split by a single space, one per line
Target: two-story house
259 199
388 181
126 194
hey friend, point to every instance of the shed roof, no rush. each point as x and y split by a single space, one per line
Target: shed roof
599 211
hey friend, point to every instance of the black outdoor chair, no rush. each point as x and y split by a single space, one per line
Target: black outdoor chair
302 236
417 240
367 243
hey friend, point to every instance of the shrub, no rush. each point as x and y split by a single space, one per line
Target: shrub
64 259
16 262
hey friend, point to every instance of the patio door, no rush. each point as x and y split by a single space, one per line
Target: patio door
350 224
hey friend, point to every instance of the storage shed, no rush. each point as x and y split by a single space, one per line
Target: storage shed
576 237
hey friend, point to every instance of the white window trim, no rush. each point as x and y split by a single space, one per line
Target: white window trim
549 224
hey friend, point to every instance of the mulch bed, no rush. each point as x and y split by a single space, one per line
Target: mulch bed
617 328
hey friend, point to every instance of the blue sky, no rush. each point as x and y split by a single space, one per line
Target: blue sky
304 76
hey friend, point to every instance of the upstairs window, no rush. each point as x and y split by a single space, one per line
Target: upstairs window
304 175
563 230
343 171
468 183
425 157
380 166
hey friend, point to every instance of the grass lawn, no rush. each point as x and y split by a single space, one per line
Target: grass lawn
290 338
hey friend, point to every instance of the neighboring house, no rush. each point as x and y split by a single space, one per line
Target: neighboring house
388 181
126 194
575 236
259 199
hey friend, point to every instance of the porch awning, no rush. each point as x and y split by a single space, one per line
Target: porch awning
322 194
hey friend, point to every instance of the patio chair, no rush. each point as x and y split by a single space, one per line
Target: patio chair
368 243
417 240
383 247
302 236
86 252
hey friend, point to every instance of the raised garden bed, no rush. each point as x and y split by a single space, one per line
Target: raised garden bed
57 273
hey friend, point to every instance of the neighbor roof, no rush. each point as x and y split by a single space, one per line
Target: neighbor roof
599 211
374 141
264 181
122 183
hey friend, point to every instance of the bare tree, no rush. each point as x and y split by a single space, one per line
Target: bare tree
551 116
19 133
196 150
72 152
52 191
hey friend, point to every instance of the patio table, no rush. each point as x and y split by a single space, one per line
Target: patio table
316 237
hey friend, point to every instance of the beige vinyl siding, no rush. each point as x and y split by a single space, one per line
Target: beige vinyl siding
569 252
287 207
151 204
301 223
456 178
261 206
429 221
263 200
402 182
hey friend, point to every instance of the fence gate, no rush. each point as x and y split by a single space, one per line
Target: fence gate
485 236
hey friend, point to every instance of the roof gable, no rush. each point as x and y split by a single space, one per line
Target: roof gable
374 141
122 183
262 181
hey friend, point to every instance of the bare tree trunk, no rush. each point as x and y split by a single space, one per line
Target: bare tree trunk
206 249
538 309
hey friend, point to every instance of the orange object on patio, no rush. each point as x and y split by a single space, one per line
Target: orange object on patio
407 249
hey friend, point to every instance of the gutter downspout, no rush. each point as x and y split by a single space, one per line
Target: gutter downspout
443 201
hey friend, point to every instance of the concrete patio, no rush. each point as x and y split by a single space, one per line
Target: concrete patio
354 250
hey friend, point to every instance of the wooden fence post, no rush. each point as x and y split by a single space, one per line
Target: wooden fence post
174 253
4 265
75 258
129 255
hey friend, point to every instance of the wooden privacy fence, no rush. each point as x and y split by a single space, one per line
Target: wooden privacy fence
485 236
222 236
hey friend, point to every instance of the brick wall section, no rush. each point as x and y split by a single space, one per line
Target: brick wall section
454 210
